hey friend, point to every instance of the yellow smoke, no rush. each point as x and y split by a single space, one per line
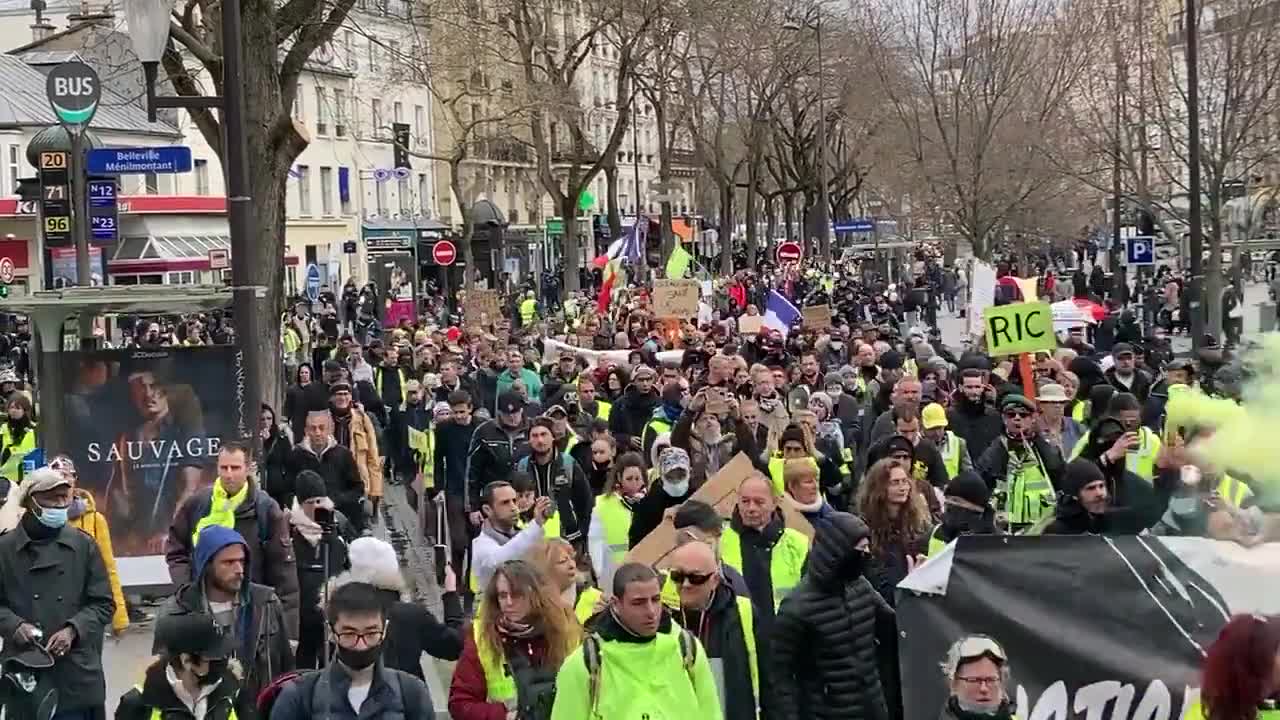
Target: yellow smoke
1245 438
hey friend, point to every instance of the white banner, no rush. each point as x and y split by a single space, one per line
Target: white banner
552 349
982 294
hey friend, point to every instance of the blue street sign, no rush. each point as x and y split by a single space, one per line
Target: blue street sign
855 225
1140 250
126 161
104 223
313 282
32 461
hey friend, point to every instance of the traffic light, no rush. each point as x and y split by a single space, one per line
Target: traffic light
4 291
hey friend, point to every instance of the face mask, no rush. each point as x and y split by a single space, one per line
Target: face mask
53 517
854 564
962 519
835 391
675 488
359 659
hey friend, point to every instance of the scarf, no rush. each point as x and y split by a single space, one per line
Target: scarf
309 529
222 509
527 630
36 530
499 536
812 507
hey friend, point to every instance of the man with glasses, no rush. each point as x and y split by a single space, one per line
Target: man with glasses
1022 467
358 684
977 671
724 622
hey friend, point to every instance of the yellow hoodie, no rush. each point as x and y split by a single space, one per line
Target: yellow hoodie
93 524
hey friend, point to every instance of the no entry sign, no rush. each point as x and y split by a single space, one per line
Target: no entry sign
444 252
789 252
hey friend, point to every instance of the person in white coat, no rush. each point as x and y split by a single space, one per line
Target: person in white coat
500 539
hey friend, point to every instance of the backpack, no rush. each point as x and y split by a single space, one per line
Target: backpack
267 697
592 658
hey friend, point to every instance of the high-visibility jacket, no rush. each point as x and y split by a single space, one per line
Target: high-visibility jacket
158 714
1140 462
498 684
776 465
528 311
1080 412
1233 491
428 466
951 454
586 605
603 409
1196 712
786 559
659 427
377 381
1028 494
12 467
615 518
936 543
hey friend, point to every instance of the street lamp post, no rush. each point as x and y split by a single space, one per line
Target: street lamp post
813 19
149 30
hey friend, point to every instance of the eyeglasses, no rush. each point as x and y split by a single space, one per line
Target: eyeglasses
990 682
351 637
678 577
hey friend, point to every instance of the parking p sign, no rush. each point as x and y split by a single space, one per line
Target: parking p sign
1140 250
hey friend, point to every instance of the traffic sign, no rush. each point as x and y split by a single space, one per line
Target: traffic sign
789 252
313 282
855 225
1140 250
55 197
7 270
444 252
128 161
104 221
73 89
349 247
219 259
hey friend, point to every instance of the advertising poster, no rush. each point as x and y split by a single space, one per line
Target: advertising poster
63 266
144 428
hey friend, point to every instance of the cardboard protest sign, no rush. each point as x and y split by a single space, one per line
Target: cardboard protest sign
480 305
721 492
750 324
1019 328
675 298
817 317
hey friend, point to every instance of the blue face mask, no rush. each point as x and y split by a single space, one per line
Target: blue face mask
53 517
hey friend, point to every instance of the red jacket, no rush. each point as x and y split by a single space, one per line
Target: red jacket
468 696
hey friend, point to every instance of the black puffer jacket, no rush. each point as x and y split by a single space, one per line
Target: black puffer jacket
825 664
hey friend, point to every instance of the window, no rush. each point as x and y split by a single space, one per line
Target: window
326 191
419 125
180 277
322 112
373 54
397 112
380 197
376 115
423 194
349 50
402 194
299 104
304 190
15 167
151 183
291 279
339 113
202 177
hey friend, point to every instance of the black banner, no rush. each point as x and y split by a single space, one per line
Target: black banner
145 427
1095 628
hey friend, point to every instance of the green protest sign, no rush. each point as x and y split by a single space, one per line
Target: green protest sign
1019 328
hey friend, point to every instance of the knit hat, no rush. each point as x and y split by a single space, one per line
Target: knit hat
823 398
440 408
793 433
193 634
898 443
832 378
309 485
1014 400
1079 473
969 486
373 561
673 458
891 360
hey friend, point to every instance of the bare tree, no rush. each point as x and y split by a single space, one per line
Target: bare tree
981 88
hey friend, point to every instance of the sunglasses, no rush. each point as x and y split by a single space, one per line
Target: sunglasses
678 577
1016 414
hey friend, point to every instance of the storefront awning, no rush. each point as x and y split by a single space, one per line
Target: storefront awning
168 247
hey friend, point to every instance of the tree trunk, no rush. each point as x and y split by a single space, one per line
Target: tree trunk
753 210
572 270
789 216
468 231
664 174
612 210
1213 284
726 228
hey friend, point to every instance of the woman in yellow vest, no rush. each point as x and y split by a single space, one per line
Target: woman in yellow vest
520 626
17 438
556 559
608 536
1240 678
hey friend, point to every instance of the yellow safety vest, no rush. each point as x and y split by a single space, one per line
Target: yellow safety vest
17 452
936 544
1233 491
586 605
776 465
377 378
603 409
951 454
1028 494
659 427
222 509
1079 412
748 621
498 684
428 467
290 340
1196 712
785 562
615 518
528 311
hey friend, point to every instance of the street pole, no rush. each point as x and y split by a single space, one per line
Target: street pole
248 319
824 201
635 171
1193 161
80 224
1118 272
